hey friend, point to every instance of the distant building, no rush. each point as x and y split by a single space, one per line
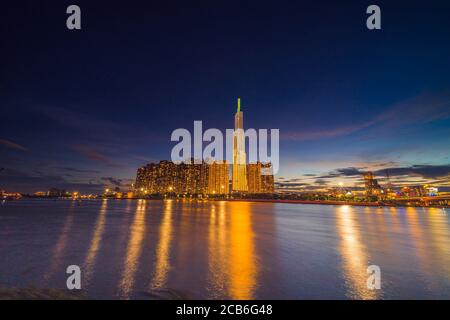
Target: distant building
372 188
54 192
419 191
431 191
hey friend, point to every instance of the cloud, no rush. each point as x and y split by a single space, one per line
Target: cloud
425 171
427 107
113 181
320 182
291 185
349 172
20 181
104 131
12 145
69 169
325 133
424 108
92 154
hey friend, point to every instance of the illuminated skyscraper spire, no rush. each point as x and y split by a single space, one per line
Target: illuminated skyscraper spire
239 174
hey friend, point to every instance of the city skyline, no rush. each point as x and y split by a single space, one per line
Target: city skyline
207 176
81 119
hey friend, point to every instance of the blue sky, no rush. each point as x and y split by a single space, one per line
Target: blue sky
84 109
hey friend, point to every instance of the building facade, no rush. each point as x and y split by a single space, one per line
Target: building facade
218 177
260 178
167 177
267 178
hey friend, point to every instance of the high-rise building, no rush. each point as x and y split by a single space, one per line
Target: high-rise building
194 178
218 177
185 178
260 178
254 177
267 178
239 168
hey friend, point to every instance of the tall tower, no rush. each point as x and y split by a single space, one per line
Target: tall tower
239 175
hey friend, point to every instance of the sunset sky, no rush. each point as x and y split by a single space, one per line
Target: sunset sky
81 110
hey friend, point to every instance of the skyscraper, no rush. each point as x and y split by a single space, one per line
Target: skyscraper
239 175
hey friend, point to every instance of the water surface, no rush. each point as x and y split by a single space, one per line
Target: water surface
128 249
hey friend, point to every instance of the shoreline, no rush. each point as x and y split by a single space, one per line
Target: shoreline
332 202
314 202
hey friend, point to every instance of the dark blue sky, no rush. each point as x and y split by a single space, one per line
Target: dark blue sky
84 109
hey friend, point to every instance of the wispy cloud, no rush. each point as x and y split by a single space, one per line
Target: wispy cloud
70 169
421 109
20 181
117 182
12 145
325 133
93 155
425 171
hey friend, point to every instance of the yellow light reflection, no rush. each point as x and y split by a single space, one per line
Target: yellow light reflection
217 251
163 251
418 240
354 255
440 236
134 248
61 244
242 262
94 247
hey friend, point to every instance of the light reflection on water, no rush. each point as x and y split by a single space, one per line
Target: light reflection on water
226 250
134 247
162 265
232 263
94 247
353 253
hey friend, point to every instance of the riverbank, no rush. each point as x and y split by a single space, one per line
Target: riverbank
32 293
318 202
331 202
